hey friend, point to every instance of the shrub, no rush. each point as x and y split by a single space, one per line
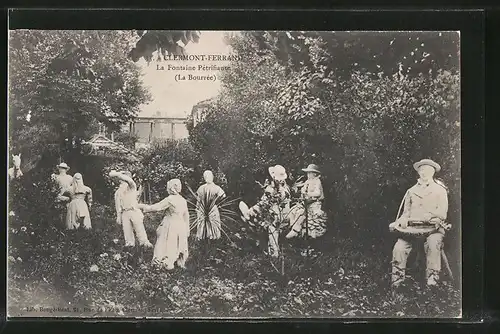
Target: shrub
365 132
127 139
167 160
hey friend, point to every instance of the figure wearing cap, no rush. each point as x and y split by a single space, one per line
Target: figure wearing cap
272 209
311 199
425 205
61 181
128 213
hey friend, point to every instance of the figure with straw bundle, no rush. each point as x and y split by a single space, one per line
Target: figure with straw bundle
172 235
208 221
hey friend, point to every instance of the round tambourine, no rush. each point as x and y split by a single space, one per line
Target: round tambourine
412 230
415 231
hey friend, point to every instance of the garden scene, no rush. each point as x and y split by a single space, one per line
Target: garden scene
363 106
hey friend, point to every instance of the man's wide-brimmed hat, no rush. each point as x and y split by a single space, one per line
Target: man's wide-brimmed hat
278 172
63 165
427 162
312 168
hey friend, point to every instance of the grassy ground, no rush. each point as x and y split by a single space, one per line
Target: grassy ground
52 269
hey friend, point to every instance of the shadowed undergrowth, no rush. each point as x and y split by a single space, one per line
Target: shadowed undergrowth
53 268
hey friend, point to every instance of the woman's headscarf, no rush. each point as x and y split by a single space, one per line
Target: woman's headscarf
78 185
174 186
208 176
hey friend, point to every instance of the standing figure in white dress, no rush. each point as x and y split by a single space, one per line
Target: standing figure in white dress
172 235
80 197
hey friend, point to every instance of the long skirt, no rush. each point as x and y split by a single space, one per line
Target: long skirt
78 210
171 243
210 229
316 220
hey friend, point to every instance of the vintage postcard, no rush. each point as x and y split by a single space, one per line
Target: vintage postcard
234 174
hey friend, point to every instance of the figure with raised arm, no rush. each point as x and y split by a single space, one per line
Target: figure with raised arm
128 213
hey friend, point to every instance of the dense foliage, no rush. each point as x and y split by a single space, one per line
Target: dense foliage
343 52
364 109
63 83
127 139
167 160
365 131
50 267
163 43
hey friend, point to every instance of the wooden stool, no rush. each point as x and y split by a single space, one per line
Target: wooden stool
420 257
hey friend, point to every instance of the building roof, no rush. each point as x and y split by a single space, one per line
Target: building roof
100 141
156 110
142 118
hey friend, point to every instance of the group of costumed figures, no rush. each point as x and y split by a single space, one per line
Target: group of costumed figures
296 209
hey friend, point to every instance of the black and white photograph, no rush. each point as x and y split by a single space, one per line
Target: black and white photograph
181 174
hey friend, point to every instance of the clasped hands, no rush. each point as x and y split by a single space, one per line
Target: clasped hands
61 198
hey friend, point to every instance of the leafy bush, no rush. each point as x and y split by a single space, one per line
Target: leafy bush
89 269
167 160
127 139
365 130
63 82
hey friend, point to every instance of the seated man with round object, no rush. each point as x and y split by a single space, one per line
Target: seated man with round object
425 208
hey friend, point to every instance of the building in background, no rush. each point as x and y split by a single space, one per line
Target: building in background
156 128
198 112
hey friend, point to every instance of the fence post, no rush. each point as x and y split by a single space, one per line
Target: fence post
307 228
150 194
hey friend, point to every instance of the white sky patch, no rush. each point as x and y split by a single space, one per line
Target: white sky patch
176 99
